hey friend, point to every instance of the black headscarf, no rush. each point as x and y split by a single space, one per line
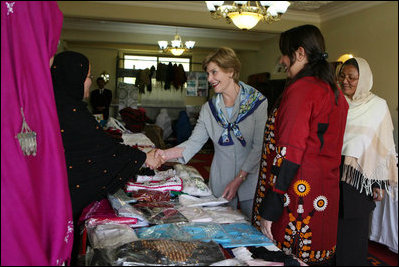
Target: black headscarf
96 163
69 72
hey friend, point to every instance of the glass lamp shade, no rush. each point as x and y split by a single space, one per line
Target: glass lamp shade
281 6
190 44
177 51
245 20
175 43
163 44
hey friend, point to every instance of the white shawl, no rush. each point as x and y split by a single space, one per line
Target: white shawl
369 146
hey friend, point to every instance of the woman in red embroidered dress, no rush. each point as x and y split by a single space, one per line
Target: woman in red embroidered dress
296 200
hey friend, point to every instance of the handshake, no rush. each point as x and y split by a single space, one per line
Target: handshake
155 158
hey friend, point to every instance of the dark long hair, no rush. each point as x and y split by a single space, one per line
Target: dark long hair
310 38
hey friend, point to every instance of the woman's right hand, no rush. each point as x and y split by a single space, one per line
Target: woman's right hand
153 161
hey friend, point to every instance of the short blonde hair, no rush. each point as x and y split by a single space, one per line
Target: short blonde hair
226 59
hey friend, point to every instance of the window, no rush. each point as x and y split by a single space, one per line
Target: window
143 62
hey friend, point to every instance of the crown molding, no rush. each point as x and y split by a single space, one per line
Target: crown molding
185 32
305 16
182 5
348 8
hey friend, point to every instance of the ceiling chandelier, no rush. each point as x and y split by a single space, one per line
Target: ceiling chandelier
245 16
176 48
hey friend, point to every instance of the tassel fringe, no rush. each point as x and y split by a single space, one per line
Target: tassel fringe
356 179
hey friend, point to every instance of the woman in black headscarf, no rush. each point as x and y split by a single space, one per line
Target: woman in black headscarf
96 164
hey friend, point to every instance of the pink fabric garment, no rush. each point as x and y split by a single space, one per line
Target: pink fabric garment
36 214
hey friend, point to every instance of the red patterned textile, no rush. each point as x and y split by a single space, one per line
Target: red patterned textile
298 186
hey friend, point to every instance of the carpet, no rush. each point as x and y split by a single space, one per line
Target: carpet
379 255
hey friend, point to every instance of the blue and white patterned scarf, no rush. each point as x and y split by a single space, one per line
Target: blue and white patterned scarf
250 99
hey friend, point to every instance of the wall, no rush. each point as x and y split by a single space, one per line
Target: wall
372 34
103 58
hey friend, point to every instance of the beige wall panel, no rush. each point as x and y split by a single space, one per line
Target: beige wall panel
372 34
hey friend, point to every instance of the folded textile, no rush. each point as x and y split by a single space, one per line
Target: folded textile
225 214
124 209
191 201
144 195
195 214
137 139
173 183
158 176
110 235
160 252
227 235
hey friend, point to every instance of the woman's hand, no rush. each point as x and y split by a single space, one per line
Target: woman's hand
266 228
153 160
231 189
378 194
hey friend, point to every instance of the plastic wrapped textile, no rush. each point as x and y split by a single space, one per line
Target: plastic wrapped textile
160 253
190 170
138 140
225 214
195 214
97 209
185 232
191 201
160 213
124 209
159 176
109 235
173 183
193 182
92 222
143 195
227 235
121 196
244 235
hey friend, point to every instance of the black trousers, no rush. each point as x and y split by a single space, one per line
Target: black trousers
353 226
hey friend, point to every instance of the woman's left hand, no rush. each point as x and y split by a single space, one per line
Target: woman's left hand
378 194
231 189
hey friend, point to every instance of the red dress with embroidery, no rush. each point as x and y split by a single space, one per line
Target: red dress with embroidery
298 186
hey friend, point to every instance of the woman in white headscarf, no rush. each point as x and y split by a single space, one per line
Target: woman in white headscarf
369 162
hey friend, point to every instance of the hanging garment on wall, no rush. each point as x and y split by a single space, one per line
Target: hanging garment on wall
169 76
150 75
180 77
161 72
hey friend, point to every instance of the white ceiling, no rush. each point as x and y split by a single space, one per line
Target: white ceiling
307 11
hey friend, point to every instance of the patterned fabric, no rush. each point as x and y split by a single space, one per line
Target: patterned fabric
298 185
250 99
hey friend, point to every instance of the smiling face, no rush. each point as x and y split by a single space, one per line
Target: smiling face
220 80
348 80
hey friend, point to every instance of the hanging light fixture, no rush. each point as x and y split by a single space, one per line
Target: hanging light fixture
176 48
245 16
